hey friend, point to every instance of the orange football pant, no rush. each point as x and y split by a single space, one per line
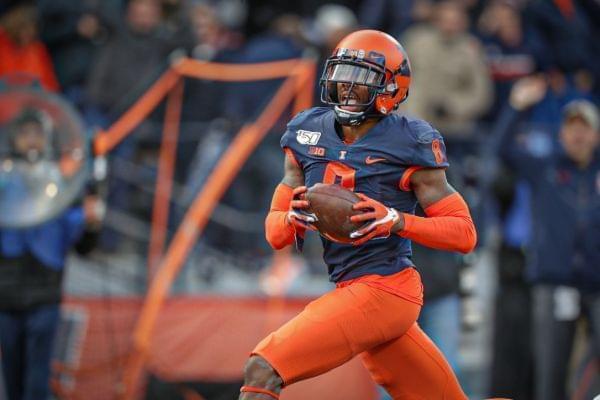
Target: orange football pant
378 324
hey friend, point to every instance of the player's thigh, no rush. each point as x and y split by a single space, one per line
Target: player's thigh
412 368
333 329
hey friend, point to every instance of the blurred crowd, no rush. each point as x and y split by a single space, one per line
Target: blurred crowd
498 78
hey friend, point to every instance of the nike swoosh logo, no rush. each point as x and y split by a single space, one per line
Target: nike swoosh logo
370 160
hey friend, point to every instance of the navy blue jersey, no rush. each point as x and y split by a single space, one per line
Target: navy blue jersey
374 165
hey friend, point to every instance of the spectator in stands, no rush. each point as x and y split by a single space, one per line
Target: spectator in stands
331 23
175 26
393 16
216 39
511 371
591 9
73 31
451 86
564 255
32 261
131 59
561 90
282 40
216 30
512 355
567 31
22 54
512 49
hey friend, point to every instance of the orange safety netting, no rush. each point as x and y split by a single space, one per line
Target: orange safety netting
164 266
197 339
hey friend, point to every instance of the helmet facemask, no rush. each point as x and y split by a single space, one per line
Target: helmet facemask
341 79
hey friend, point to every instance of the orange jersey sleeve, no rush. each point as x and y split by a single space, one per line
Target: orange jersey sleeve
448 226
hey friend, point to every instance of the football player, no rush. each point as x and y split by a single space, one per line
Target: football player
391 162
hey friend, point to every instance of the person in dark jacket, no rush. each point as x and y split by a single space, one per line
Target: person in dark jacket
32 261
73 31
513 50
130 60
563 258
511 372
567 29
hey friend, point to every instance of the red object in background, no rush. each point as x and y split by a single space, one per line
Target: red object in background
196 339
32 59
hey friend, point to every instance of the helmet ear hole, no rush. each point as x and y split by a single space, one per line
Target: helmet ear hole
384 103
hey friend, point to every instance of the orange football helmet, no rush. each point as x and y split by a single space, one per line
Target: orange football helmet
370 58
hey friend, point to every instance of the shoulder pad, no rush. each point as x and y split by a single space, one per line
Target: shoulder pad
429 148
304 115
299 122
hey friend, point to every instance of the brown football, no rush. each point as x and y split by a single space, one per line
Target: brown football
332 204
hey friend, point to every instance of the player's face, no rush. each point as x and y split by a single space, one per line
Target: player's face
579 140
352 94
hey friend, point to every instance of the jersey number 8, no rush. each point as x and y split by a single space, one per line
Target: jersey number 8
341 174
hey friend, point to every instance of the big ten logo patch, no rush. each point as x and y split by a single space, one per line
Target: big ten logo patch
316 151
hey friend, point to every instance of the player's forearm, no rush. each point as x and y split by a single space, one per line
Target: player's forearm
278 231
443 233
448 226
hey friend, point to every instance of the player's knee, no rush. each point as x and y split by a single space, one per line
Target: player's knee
259 373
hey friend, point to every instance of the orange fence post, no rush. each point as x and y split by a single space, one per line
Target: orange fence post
164 179
194 222
105 141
